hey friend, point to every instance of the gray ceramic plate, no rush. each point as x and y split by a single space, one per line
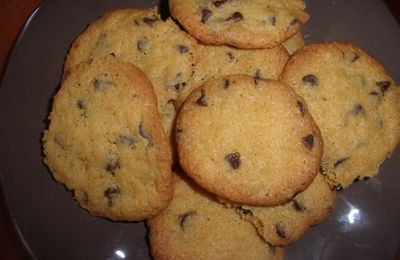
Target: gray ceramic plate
364 225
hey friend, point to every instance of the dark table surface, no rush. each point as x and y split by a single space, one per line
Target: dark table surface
13 14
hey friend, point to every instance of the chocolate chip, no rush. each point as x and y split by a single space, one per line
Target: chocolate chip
183 49
128 140
202 101
143 46
383 85
142 131
81 104
150 21
112 165
357 109
226 84
184 218
280 230
219 3
340 161
293 21
233 159
308 141
205 14
230 56
297 206
272 20
355 58
101 82
310 80
244 211
236 17
110 194
301 108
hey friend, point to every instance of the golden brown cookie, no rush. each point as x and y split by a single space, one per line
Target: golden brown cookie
196 226
244 24
223 60
284 224
106 143
248 140
354 102
140 36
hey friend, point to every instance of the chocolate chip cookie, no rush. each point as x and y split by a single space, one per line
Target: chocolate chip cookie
248 140
284 224
244 24
140 36
106 143
223 60
196 226
354 102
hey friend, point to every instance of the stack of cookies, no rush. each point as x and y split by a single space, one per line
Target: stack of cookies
259 128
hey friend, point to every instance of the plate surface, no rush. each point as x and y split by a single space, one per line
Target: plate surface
364 225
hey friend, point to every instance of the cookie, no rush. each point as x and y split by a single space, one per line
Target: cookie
140 36
212 60
106 143
243 24
355 104
196 226
248 140
294 43
284 224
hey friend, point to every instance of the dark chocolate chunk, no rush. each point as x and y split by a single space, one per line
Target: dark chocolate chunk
308 141
205 14
280 230
236 17
202 101
233 159
358 109
383 85
310 80
184 218
226 84
301 108
142 131
340 161
183 49
219 3
298 206
150 21
110 194
244 211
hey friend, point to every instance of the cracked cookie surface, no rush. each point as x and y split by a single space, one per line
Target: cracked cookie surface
355 104
105 141
248 140
196 226
244 24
